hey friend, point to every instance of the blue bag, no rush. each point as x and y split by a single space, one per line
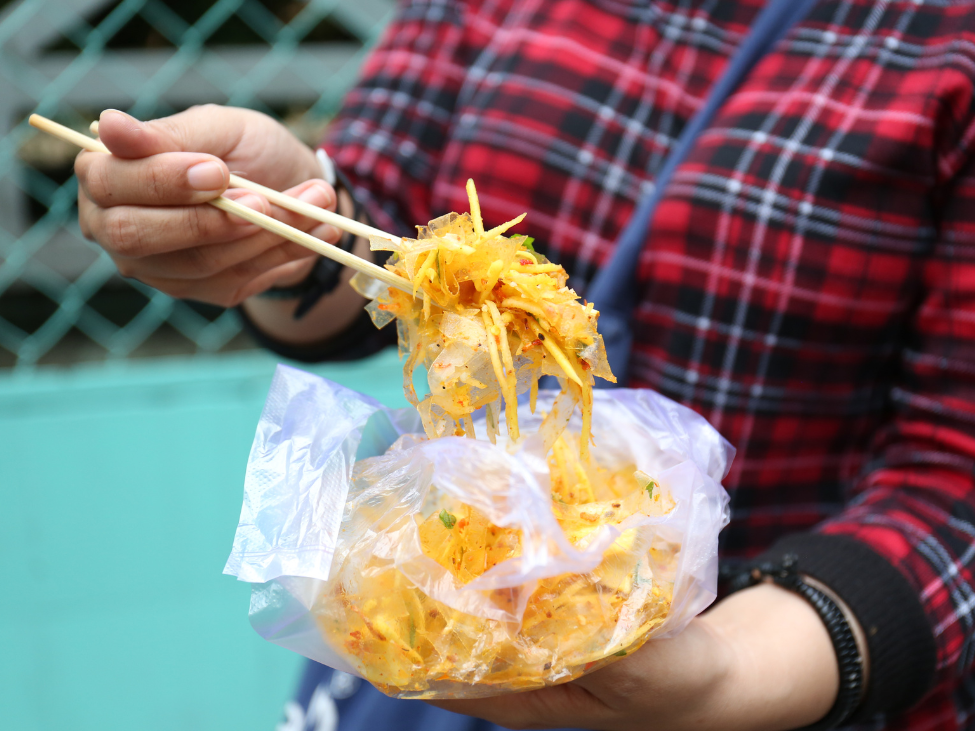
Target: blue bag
613 288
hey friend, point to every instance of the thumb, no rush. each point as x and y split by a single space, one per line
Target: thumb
209 128
127 137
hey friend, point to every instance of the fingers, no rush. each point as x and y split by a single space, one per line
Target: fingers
232 286
165 179
315 192
553 707
135 232
176 160
85 208
251 143
199 252
202 262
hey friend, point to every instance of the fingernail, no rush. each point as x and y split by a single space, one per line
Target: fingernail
128 117
206 176
328 233
316 195
250 201
294 272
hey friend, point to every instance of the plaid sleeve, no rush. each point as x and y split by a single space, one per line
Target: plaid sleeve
389 136
914 503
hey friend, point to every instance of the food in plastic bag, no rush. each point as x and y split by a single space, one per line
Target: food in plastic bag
440 566
488 317
452 567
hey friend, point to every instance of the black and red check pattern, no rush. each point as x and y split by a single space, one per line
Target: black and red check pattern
809 280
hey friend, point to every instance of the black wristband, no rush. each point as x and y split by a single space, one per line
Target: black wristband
888 607
326 274
786 574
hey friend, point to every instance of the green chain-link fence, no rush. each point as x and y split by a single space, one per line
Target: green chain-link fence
61 299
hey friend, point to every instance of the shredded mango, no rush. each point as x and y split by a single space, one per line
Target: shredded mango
409 644
488 319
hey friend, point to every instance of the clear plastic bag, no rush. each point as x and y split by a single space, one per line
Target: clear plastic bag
349 516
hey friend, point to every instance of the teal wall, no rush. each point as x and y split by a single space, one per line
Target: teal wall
103 470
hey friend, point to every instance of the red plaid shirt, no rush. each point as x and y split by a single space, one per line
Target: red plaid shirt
808 283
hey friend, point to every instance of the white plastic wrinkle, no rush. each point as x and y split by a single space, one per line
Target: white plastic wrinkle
299 515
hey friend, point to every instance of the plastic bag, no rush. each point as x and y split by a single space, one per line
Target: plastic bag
349 512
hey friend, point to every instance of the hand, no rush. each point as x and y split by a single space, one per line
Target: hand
142 203
760 660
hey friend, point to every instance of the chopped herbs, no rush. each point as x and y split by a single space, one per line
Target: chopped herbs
646 481
447 519
412 633
528 243
621 653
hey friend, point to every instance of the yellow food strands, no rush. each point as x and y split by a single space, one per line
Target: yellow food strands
488 318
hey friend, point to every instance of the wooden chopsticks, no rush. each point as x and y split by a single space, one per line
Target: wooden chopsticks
266 222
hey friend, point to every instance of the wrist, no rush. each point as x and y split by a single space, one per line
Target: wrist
784 672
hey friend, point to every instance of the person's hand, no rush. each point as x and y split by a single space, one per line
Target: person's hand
761 660
141 204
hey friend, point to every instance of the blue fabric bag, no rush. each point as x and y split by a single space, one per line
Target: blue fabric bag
329 700
614 286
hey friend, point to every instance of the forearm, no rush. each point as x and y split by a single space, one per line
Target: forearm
332 314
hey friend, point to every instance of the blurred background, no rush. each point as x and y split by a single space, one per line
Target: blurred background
126 417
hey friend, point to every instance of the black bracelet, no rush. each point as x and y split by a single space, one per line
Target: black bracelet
848 654
326 274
